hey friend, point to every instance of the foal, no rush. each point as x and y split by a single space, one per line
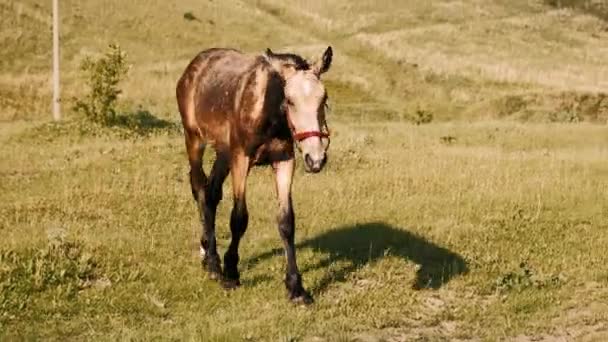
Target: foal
251 110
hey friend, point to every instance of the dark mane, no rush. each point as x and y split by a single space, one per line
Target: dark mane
298 61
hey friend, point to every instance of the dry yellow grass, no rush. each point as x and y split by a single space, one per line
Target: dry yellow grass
456 59
453 55
501 50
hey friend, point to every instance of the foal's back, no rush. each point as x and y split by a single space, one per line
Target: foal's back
215 88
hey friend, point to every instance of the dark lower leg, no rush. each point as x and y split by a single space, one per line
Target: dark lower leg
219 171
293 279
211 259
212 196
238 219
238 224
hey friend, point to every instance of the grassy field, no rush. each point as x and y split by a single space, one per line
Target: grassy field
488 223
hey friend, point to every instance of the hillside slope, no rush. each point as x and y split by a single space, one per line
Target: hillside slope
454 59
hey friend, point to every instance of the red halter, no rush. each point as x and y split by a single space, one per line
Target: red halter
301 136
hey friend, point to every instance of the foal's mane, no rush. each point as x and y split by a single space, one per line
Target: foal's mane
289 58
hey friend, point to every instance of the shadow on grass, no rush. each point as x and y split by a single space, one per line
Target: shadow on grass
137 124
142 122
359 245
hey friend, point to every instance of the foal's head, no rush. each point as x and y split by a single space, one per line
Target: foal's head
304 105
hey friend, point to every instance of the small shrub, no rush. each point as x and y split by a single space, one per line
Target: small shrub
565 117
511 104
525 278
447 139
189 16
103 76
422 116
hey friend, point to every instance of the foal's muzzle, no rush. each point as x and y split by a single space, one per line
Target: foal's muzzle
312 165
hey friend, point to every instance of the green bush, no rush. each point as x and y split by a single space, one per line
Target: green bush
103 76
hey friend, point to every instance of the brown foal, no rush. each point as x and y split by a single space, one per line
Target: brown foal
251 110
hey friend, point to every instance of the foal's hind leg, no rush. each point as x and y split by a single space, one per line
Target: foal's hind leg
199 183
213 196
219 172
238 220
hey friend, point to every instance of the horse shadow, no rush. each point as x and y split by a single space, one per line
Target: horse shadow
143 122
363 244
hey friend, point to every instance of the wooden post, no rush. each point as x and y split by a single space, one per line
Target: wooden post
56 98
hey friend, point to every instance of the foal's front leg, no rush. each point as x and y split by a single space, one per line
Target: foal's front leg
238 220
293 279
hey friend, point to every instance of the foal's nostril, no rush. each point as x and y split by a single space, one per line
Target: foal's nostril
308 161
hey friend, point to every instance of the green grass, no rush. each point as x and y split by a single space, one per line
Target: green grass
498 233
489 223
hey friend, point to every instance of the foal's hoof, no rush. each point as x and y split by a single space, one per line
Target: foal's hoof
302 299
214 275
230 284
213 268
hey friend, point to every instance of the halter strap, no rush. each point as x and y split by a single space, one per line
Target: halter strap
298 137
309 134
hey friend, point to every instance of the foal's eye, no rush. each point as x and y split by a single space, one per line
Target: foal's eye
289 102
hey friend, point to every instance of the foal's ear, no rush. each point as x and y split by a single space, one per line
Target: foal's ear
286 70
268 55
322 65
